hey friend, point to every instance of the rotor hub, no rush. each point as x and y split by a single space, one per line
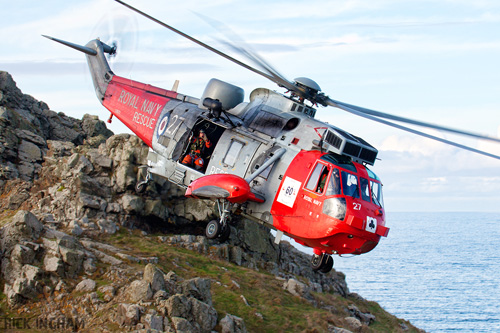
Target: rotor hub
307 83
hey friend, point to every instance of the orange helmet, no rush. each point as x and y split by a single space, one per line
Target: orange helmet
198 163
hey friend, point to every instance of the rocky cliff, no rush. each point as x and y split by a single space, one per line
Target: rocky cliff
80 250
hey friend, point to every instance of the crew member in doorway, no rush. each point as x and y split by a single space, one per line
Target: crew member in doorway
196 149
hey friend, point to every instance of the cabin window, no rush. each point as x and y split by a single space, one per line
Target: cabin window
350 184
318 178
334 183
365 189
232 153
377 193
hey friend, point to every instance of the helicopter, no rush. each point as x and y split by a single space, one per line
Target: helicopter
269 159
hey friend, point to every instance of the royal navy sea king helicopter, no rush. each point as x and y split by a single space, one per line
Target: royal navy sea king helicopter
267 159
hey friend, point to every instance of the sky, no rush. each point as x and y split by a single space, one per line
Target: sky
436 61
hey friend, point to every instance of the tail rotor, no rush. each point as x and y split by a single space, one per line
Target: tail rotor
119 31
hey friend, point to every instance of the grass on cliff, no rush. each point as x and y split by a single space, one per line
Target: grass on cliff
257 297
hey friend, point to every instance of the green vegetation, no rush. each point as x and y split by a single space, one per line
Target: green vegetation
270 308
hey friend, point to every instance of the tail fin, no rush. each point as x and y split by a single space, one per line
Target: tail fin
98 64
137 105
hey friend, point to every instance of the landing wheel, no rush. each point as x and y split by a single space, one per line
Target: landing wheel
328 265
220 229
225 233
322 263
317 261
213 229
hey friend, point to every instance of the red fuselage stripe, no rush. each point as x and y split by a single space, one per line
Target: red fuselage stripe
137 105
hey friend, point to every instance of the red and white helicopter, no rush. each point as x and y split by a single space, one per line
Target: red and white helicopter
268 159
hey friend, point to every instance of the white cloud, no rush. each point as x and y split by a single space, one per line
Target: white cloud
417 59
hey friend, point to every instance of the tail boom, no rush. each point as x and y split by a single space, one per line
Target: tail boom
137 105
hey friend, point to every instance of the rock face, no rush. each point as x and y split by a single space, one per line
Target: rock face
27 125
64 182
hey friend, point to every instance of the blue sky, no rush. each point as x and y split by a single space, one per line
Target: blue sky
437 61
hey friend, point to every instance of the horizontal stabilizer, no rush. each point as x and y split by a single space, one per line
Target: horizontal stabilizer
84 49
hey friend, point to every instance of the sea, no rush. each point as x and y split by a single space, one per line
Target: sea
440 271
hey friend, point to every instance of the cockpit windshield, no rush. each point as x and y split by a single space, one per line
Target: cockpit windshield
334 183
350 184
347 182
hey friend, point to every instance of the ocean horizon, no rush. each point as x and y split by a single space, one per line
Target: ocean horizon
440 271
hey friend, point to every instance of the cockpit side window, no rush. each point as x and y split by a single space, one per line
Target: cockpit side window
318 178
365 189
377 193
334 183
350 185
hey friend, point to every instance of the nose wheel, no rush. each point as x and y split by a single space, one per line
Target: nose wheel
220 229
322 263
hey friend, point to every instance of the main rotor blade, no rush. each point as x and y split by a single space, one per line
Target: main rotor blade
277 80
404 128
379 114
236 43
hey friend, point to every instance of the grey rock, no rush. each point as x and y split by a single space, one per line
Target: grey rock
108 292
354 323
113 207
365 318
90 201
107 226
124 177
204 315
132 203
31 272
29 152
128 314
296 288
24 225
89 266
154 277
154 322
198 288
182 325
92 126
87 285
22 254
232 324
333 329
74 228
178 306
60 148
139 290
155 208
25 288
31 137
54 265
102 161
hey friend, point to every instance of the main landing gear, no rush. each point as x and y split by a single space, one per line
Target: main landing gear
220 229
322 262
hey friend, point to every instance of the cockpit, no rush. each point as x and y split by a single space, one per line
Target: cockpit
337 178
